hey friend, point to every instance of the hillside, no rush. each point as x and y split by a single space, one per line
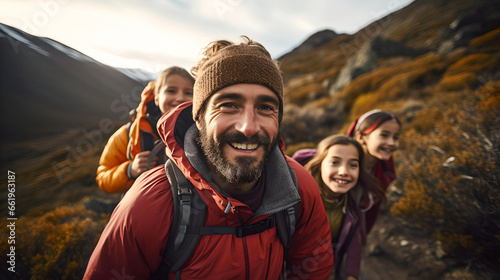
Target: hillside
58 108
47 88
435 64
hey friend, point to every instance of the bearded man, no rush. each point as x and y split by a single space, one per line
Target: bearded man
226 143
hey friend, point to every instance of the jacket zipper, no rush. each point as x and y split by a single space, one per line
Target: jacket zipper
247 262
269 263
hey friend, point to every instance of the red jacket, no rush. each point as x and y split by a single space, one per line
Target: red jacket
133 242
385 173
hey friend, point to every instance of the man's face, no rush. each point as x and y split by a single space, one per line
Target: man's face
238 130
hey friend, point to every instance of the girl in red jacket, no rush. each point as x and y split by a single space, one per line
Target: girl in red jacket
338 167
125 155
378 133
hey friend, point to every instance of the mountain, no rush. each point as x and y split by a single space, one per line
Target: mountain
47 87
138 74
312 42
330 75
436 66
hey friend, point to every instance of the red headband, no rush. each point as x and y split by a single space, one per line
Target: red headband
352 128
377 124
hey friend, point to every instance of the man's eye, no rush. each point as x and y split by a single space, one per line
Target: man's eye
228 106
267 109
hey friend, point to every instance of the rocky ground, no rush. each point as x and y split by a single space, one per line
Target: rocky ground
397 249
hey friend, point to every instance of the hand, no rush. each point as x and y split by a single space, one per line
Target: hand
351 278
139 163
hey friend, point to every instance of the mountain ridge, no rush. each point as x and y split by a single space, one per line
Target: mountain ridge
43 78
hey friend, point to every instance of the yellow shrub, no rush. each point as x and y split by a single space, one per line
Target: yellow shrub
305 92
362 104
394 81
458 241
474 63
488 40
447 167
489 104
56 244
426 119
464 80
417 202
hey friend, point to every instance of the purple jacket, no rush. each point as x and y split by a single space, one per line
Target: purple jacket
303 156
352 236
351 240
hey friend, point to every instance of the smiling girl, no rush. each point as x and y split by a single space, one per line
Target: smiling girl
378 133
338 168
126 154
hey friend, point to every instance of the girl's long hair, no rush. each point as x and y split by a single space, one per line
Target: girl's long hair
366 181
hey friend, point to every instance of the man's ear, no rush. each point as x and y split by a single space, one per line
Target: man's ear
198 125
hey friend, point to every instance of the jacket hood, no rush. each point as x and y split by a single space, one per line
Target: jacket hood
179 132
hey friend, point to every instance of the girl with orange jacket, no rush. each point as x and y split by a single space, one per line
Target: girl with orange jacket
126 153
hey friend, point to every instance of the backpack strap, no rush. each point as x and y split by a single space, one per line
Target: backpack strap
181 245
132 114
286 221
147 139
159 146
188 224
153 115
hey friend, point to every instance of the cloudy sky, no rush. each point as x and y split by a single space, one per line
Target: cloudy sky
155 34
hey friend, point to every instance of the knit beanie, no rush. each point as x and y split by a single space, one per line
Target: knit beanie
236 64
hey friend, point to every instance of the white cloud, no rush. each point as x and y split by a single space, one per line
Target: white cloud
160 33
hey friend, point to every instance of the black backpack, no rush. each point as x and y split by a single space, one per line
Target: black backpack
188 224
148 142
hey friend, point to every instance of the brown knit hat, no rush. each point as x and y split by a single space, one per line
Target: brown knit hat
236 64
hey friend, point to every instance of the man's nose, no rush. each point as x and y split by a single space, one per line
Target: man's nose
247 123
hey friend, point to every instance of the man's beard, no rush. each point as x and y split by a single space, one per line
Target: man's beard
246 170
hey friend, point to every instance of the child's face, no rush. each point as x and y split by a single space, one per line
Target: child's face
340 168
383 141
175 91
